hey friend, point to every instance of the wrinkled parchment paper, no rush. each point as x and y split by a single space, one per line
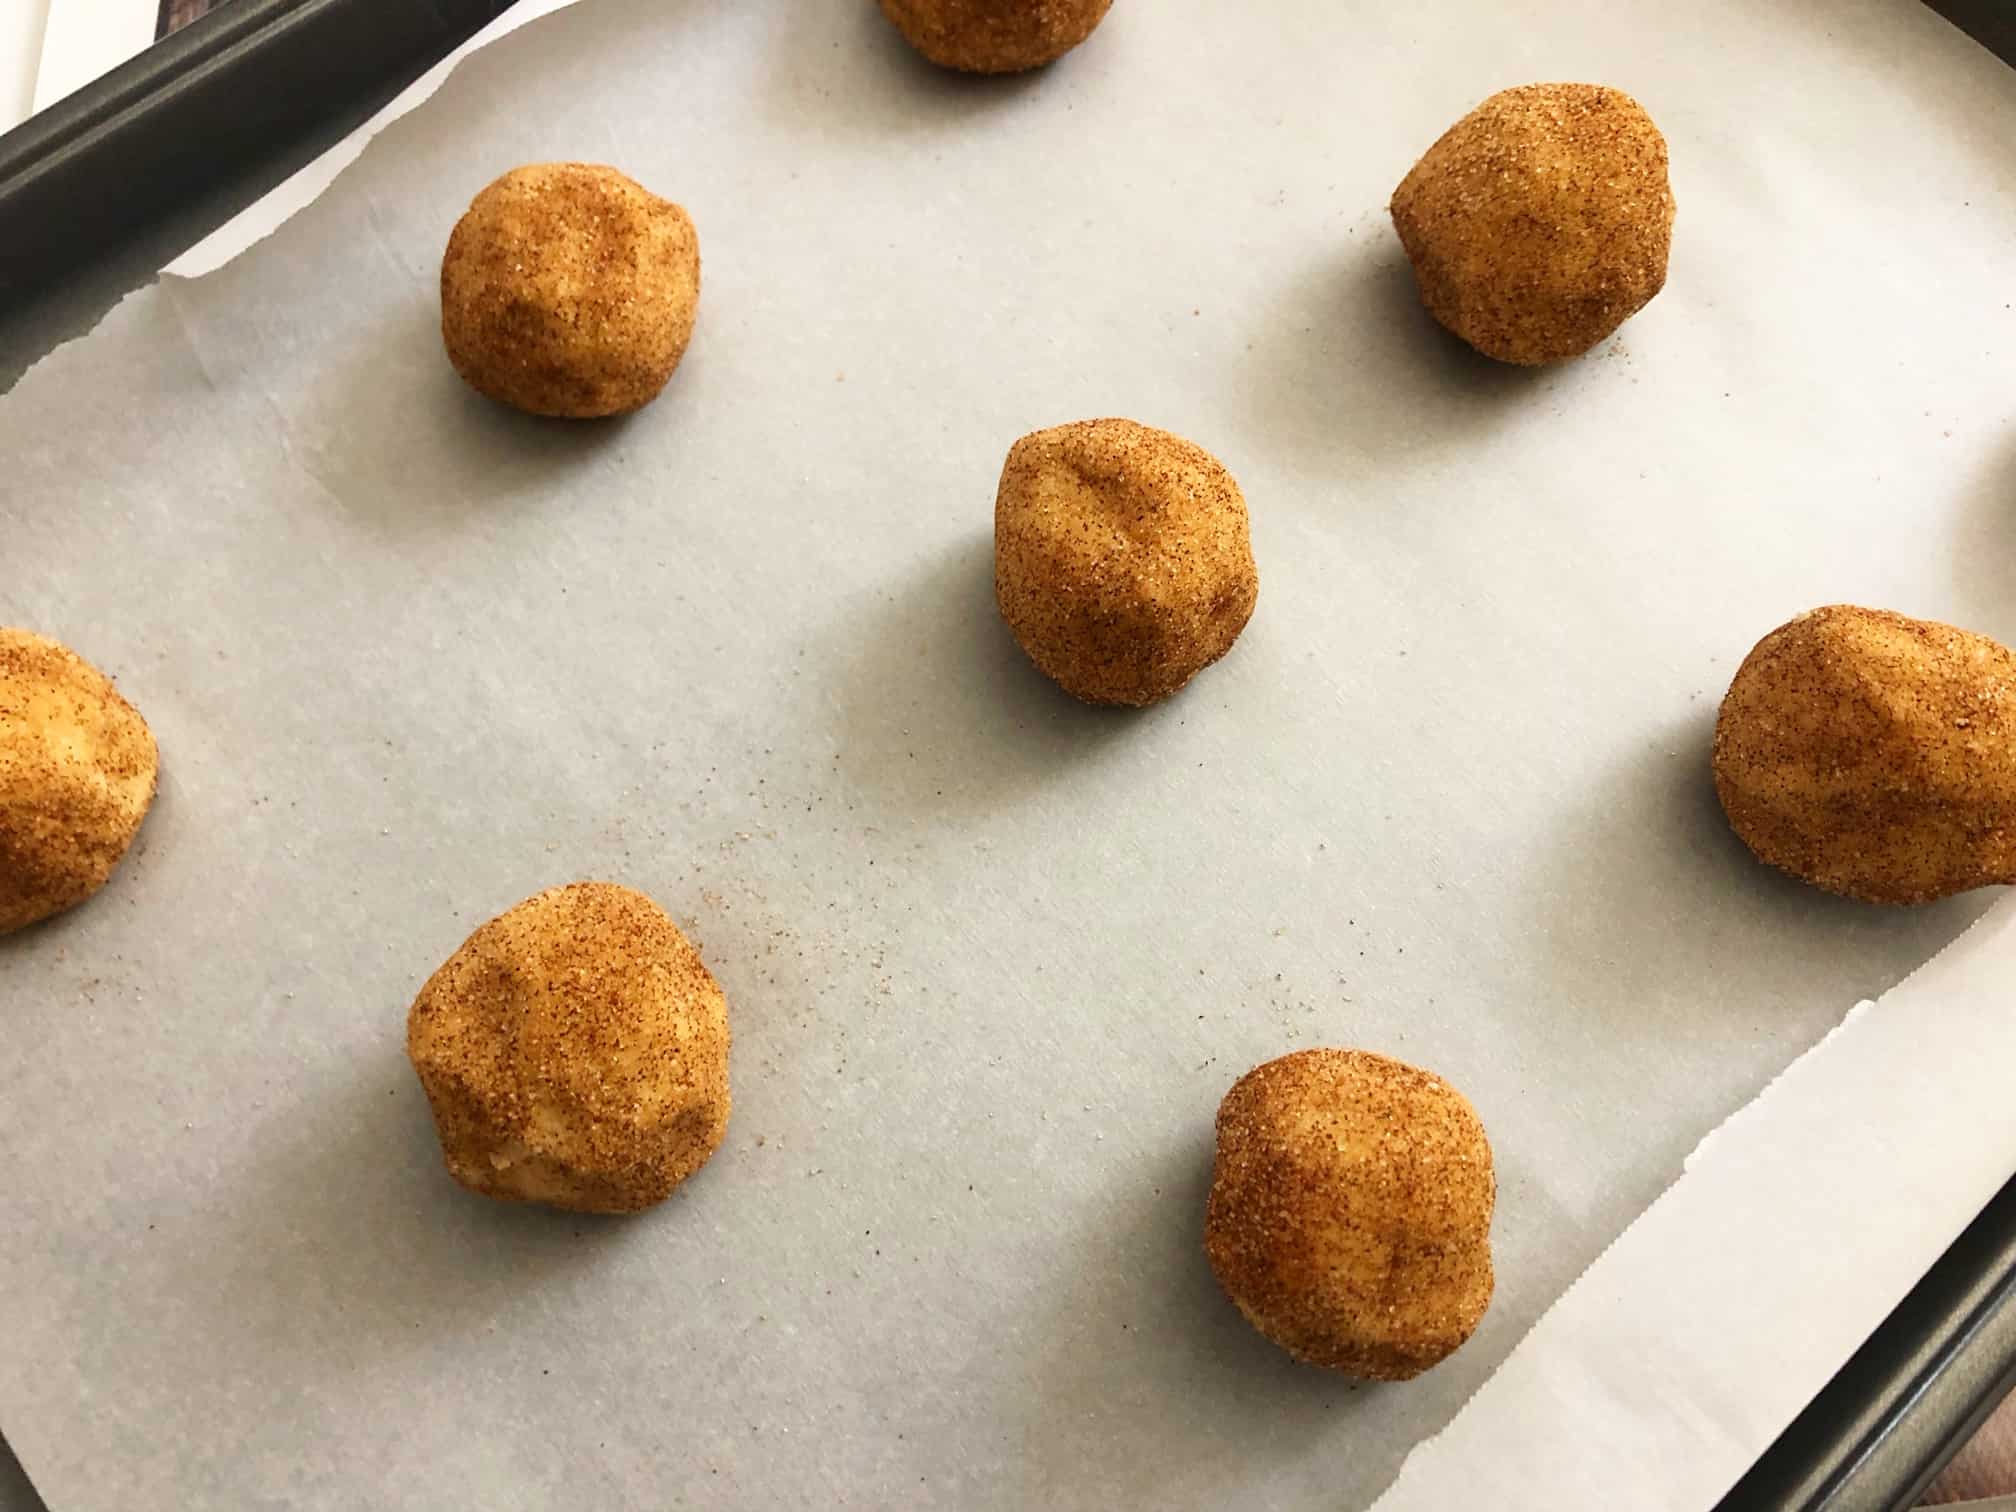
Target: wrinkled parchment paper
992 957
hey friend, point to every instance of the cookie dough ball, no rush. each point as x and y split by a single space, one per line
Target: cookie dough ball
1350 1212
1121 558
995 36
1540 222
1873 755
77 770
569 290
575 1052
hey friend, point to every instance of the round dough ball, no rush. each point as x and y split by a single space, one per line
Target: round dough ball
1121 558
77 771
569 290
1350 1212
995 36
1873 755
1540 222
575 1052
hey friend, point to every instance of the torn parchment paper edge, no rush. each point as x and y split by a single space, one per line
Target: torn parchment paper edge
272 210
1791 1208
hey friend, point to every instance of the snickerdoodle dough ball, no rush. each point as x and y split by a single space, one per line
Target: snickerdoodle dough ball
1874 755
575 1052
569 290
1540 222
77 772
1121 558
995 36
1350 1211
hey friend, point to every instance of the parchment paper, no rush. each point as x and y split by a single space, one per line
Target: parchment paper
992 958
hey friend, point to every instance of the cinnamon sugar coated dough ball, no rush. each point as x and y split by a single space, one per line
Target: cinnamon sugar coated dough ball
77 772
1121 558
1540 222
1350 1211
1873 755
995 36
575 1052
569 290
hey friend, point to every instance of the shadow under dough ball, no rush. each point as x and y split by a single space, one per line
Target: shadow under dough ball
1873 755
1122 560
1540 222
1350 1211
995 36
569 290
77 773
575 1052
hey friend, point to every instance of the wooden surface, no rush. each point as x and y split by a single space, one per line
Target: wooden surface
1986 1467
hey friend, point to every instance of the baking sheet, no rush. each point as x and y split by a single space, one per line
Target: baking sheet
265 214
992 957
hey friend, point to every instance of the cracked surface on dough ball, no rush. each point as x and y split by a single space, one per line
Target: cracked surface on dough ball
1350 1211
1541 221
1122 560
569 290
78 768
995 36
574 1052
1873 755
